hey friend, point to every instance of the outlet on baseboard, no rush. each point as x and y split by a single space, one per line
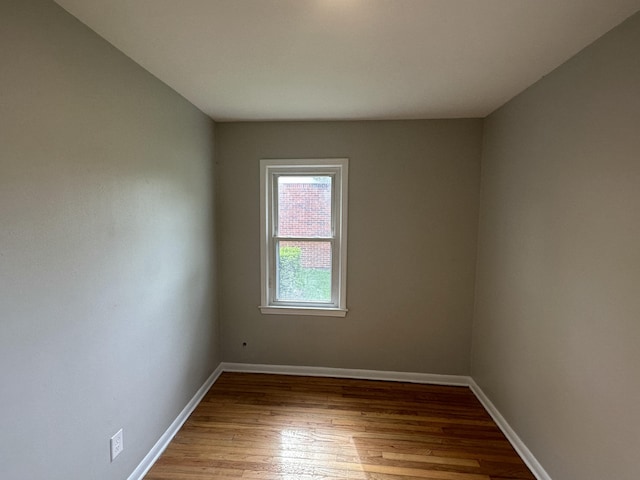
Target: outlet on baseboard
116 445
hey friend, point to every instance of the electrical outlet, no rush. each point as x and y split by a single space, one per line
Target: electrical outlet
116 445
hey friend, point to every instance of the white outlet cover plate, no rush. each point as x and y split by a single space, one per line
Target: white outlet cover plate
116 445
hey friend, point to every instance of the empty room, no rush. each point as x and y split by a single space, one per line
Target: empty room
319 239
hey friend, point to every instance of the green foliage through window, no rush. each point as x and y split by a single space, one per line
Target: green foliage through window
299 283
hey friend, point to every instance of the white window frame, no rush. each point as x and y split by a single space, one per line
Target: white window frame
270 170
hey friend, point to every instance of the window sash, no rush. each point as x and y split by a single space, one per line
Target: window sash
275 196
276 239
274 280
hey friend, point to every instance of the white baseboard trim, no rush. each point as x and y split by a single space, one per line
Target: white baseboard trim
514 439
455 380
413 377
160 446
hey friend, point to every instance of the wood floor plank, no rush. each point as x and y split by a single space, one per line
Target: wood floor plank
430 459
263 427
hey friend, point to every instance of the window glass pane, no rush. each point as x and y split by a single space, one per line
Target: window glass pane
304 206
304 271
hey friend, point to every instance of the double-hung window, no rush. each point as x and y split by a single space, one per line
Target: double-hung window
303 246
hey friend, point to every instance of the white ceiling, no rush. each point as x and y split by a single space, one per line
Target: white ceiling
349 59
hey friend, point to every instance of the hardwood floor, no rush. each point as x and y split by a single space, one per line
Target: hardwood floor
256 426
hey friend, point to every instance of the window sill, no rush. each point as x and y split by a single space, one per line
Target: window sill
303 311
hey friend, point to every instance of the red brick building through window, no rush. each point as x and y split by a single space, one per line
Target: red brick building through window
304 210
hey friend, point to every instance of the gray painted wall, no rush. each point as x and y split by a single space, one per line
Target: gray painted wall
557 326
413 196
107 312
